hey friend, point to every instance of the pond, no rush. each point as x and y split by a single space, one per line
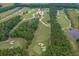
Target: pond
73 32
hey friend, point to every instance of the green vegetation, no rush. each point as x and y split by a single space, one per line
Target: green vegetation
13 43
38 29
13 47
46 16
73 15
14 52
41 38
6 26
62 19
3 9
26 30
27 27
9 12
42 35
59 45
77 42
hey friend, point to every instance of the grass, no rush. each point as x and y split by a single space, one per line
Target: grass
46 17
6 4
29 15
13 15
26 18
18 42
9 12
64 24
62 20
72 42
73 16
42 35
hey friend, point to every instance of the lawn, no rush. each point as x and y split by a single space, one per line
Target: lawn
62 19
41 37
13 43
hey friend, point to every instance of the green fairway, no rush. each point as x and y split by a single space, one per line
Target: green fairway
41 37
73 15
19 12
46 17
62 19
13 43
9 12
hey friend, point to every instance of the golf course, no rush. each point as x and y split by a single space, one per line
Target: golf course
39 29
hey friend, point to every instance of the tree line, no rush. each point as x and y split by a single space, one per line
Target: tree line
14 52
